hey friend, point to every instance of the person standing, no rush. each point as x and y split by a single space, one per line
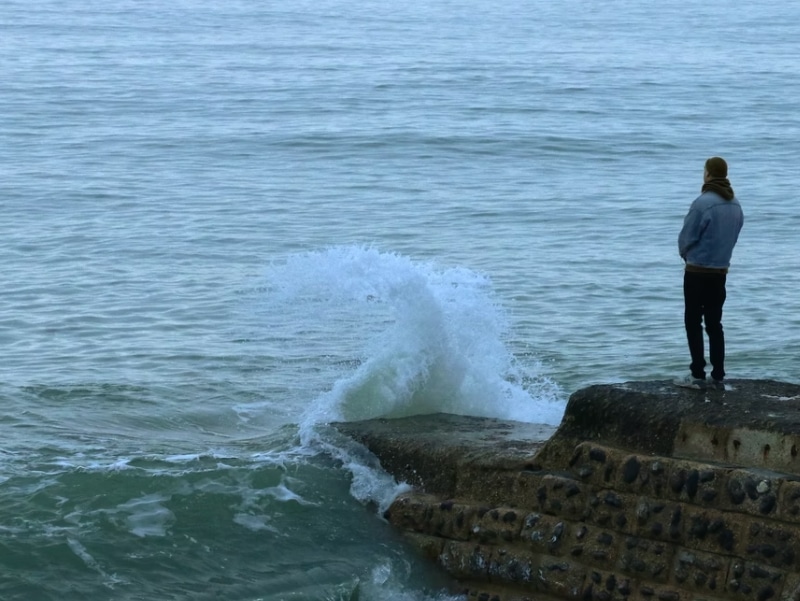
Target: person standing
705 243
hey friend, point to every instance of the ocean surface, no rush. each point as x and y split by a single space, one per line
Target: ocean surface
225 225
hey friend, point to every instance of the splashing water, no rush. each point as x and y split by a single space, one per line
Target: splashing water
409 338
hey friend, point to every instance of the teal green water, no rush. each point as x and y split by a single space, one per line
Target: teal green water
225 225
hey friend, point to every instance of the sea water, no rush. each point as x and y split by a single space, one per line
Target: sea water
226 225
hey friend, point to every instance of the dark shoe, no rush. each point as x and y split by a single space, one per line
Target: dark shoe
716 384
691 382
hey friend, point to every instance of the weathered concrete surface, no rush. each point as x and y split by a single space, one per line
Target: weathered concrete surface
753 422
644 492
448 454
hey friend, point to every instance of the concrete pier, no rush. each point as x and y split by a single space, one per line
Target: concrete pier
644 492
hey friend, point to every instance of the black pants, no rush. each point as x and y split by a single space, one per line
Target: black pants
704 294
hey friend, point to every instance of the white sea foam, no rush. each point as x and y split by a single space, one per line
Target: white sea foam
254 522
410 338
146 516
78 549
386 584
421 339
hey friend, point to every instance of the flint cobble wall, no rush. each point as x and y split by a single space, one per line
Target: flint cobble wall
609 525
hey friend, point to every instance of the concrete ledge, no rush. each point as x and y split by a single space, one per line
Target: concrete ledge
445 454
644 492
755 423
